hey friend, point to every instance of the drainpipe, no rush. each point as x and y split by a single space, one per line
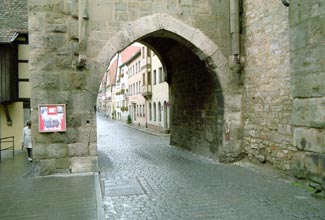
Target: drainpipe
235 64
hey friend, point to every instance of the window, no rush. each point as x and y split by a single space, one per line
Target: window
144 79
161 75
136 88
154 111
150 112
149 78
134 112
159 112
154 77
133 89
143 111
9 73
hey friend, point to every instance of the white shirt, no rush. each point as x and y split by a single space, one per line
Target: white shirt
26 138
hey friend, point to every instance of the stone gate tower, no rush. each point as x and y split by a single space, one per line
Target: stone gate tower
73 41
246 77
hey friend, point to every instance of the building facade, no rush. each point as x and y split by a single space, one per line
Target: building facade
136 100
128 55
121 89
139 73
158 103
106 94
15 91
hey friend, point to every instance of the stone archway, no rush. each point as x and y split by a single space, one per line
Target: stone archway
160 29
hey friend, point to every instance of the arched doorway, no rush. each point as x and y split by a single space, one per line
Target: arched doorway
202 86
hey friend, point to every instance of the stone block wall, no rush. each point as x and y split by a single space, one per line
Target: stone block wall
267 99
194 109
55 79
307 44
66 37
107 17
284 90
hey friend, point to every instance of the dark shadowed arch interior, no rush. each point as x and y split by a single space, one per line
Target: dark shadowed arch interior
196 100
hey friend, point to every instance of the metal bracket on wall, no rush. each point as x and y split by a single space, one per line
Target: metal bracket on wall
286 2
7 113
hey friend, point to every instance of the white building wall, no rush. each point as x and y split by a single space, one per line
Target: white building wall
159 119
136 100
123 97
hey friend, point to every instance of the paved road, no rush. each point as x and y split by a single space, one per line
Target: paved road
145 178
62 197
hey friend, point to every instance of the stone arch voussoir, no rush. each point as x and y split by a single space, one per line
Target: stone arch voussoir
204 47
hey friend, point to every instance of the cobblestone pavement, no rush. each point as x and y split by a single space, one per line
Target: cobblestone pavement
145 178
26 196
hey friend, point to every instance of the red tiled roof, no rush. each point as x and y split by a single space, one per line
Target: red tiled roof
112 72
124 56
129 52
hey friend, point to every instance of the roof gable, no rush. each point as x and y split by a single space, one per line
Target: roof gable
128 53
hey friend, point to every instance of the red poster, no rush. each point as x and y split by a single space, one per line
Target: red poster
52 117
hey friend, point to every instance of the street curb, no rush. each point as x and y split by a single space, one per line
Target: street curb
99 198
147 131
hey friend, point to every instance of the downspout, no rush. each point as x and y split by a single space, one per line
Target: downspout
235 63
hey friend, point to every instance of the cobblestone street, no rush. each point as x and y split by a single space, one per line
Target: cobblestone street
145 178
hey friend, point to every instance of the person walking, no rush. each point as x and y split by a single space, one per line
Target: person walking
26 139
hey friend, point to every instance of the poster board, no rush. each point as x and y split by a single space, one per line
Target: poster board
51 118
